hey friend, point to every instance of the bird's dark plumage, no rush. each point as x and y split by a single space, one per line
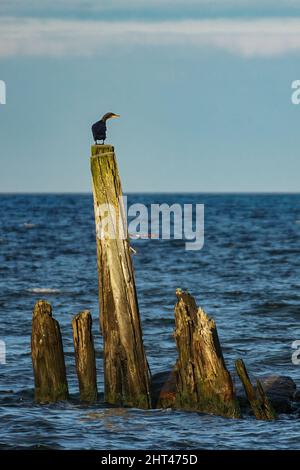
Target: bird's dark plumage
99 128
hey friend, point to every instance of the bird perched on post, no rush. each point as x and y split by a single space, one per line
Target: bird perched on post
99 128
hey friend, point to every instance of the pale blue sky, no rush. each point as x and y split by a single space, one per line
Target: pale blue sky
204 93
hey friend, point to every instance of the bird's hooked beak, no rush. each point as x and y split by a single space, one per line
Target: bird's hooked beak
115 116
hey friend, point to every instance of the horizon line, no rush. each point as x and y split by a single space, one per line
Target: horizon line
33 193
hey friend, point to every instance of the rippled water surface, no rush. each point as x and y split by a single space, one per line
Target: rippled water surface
247 277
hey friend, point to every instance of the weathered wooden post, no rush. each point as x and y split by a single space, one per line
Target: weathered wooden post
85 356
126 371
47 356
203 381
258 399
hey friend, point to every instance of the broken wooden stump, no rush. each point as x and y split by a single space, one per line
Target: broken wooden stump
126 371
85 359
258 399
47 356
203 381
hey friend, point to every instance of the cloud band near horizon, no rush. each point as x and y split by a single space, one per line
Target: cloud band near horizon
266 37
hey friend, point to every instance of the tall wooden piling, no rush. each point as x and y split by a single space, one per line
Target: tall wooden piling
126 371
85 356
202 379
47 356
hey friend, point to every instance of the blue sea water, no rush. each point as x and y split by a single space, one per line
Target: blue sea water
247 276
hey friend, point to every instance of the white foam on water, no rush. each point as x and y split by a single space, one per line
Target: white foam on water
43 290
27 225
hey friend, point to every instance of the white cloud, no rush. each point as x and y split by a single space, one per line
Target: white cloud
57 37
111 4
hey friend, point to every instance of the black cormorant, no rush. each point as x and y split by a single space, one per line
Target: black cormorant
99 128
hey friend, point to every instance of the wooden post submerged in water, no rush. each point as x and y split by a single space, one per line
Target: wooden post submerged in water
85 359
203 382
126 371
47 356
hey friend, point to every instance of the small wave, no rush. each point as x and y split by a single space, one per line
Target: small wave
278 306
43 290
287 251
275 304
235 293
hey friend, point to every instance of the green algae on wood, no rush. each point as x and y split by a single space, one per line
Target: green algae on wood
85 359
203 382
47 356
126 371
